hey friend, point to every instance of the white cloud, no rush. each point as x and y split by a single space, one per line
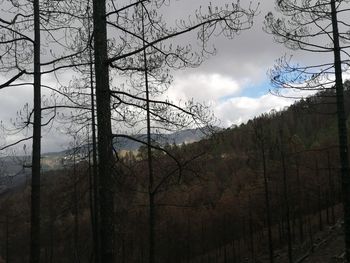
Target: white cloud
219 81
222 93
238 110
203 87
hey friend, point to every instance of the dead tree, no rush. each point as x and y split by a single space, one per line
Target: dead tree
317 27
205 24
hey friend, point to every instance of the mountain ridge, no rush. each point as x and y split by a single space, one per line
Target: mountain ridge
12 165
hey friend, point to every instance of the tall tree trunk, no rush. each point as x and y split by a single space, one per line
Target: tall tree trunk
105 147
226 231
331 188
188 241
35 193
151 193
319 200
76 207
309 220
7 238
251 230
267 205
234 252
52 229
95 214
300 202
286 203
342 130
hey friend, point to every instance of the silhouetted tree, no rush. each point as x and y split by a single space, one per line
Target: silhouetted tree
260 136
205 24
314 27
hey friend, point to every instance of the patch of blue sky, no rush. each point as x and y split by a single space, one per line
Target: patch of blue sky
251 90
256 90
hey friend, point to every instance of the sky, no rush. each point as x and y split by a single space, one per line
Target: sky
234 81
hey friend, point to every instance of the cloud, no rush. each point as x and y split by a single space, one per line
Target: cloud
12 99
237 110
233 81
13 110
224 94
203 87
228 97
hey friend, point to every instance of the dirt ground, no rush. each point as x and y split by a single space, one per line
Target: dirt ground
331 250
328 248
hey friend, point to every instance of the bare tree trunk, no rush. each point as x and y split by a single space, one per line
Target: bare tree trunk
202 244
91 203
188 242
151 194
105 146
327 207
123 250
234 252
7 247
251 231
151 256
331 188
239 250
300 202
319 200
76 208
286 203
225 239
309 220
342 130
260 137
52 220
267 205
35 244
95 214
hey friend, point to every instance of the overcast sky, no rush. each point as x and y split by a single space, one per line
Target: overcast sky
234 81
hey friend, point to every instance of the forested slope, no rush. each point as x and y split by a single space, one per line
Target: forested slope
243 193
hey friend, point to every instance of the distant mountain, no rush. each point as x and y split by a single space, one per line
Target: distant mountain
11 167
12 172
180 137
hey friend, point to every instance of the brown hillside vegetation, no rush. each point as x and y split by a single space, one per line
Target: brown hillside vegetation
211 204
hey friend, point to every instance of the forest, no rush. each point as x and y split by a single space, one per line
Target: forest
134 185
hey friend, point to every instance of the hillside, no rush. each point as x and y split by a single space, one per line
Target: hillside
181 137
210 195
328 247
12 165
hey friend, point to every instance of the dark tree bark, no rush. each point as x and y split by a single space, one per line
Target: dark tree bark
105 147
151 193
103 100
319 199
267 204
7 237
342 130
75 199
260 137
94 180
286 202
300 196
251 230
331 188
52 231
304 33
35 192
